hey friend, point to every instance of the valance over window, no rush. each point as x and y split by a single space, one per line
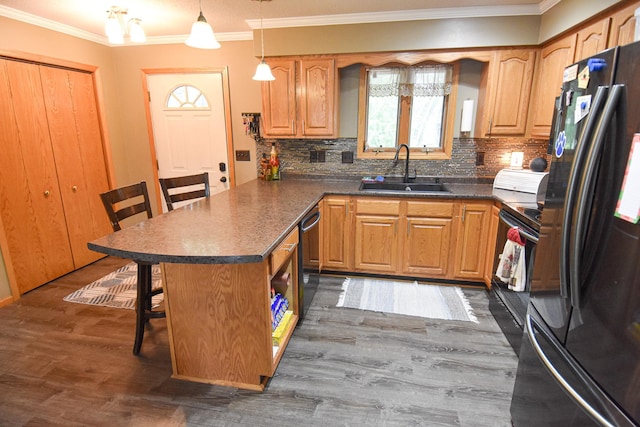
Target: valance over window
423 80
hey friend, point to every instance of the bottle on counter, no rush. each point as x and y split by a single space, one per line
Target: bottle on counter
264 167
274 163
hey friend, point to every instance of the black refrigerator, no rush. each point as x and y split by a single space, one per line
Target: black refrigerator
579 360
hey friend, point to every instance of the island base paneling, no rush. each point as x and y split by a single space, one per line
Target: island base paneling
219 320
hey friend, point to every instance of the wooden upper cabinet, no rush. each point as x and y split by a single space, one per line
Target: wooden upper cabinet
623 26
552 61
318 95
279 100
302 101
592 39
511 77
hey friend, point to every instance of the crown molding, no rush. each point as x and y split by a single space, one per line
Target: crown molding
102 39
401 15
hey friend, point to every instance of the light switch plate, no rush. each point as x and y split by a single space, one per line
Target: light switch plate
243 156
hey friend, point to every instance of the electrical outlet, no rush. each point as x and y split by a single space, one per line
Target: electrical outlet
313 156
480 158
347 157
243 156
321 156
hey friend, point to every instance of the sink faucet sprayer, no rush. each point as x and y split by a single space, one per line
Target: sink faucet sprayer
406 162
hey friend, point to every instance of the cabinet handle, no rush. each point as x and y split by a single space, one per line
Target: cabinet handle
464 211
304 129
290 247
74 188
46 193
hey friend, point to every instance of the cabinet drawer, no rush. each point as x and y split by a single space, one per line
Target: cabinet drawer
378 207
430 209
283 251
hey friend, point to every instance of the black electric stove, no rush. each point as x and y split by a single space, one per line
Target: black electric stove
509 307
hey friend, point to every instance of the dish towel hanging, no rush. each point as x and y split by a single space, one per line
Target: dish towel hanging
511 268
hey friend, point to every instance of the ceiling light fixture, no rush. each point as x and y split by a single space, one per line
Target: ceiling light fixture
116 28
263 71
202 36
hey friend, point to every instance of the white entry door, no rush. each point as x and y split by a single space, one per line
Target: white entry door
189 126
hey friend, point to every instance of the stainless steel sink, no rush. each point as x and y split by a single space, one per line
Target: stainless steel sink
418 187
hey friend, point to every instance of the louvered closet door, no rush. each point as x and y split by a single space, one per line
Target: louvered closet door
77 147
30 202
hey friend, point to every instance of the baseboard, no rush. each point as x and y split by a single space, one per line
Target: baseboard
6 301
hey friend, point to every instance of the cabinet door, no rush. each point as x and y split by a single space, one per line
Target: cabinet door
623 26
426 246
279 100
491 245
37 245
510 89
471 240
376 244
592 39
77 146
336 233
551 64
318 97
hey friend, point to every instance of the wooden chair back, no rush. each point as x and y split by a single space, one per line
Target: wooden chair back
168 186
117 211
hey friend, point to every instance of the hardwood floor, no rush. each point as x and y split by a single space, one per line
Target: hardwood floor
71 364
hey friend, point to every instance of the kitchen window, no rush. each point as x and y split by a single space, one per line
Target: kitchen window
407 105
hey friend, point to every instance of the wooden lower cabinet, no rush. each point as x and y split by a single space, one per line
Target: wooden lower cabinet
337 252
430 238
491 244
219 318
471 240
376 235
429 227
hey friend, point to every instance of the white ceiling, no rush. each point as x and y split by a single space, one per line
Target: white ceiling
170 20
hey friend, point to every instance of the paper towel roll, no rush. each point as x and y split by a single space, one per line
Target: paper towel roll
467 116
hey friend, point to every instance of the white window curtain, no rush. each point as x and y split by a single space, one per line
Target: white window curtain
423 80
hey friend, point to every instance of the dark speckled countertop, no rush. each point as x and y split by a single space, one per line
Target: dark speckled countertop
244 224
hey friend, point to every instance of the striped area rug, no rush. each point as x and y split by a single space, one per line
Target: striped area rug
117 289
408 298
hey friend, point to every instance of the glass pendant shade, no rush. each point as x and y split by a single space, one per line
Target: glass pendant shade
202 36
113 30
263 72
136 32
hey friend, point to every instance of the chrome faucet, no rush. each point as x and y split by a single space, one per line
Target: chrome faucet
406 162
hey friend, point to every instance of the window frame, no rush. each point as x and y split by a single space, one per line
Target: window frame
442 153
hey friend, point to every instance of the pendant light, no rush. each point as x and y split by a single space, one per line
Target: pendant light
263 71
202 36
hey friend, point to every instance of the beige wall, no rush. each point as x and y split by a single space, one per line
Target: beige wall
400 36
569 13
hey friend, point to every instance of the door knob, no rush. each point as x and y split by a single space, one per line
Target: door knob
223 179
46 193
74 188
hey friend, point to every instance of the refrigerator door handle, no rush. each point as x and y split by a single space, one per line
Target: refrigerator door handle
533 329
584 199
572 187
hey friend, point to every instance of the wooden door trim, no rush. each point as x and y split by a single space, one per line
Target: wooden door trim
224 71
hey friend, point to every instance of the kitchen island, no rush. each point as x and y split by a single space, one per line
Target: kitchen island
218 258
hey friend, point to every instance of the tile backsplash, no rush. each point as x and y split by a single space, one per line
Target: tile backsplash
296 155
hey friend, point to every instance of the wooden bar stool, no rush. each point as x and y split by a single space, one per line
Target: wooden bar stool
138 202
170 184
